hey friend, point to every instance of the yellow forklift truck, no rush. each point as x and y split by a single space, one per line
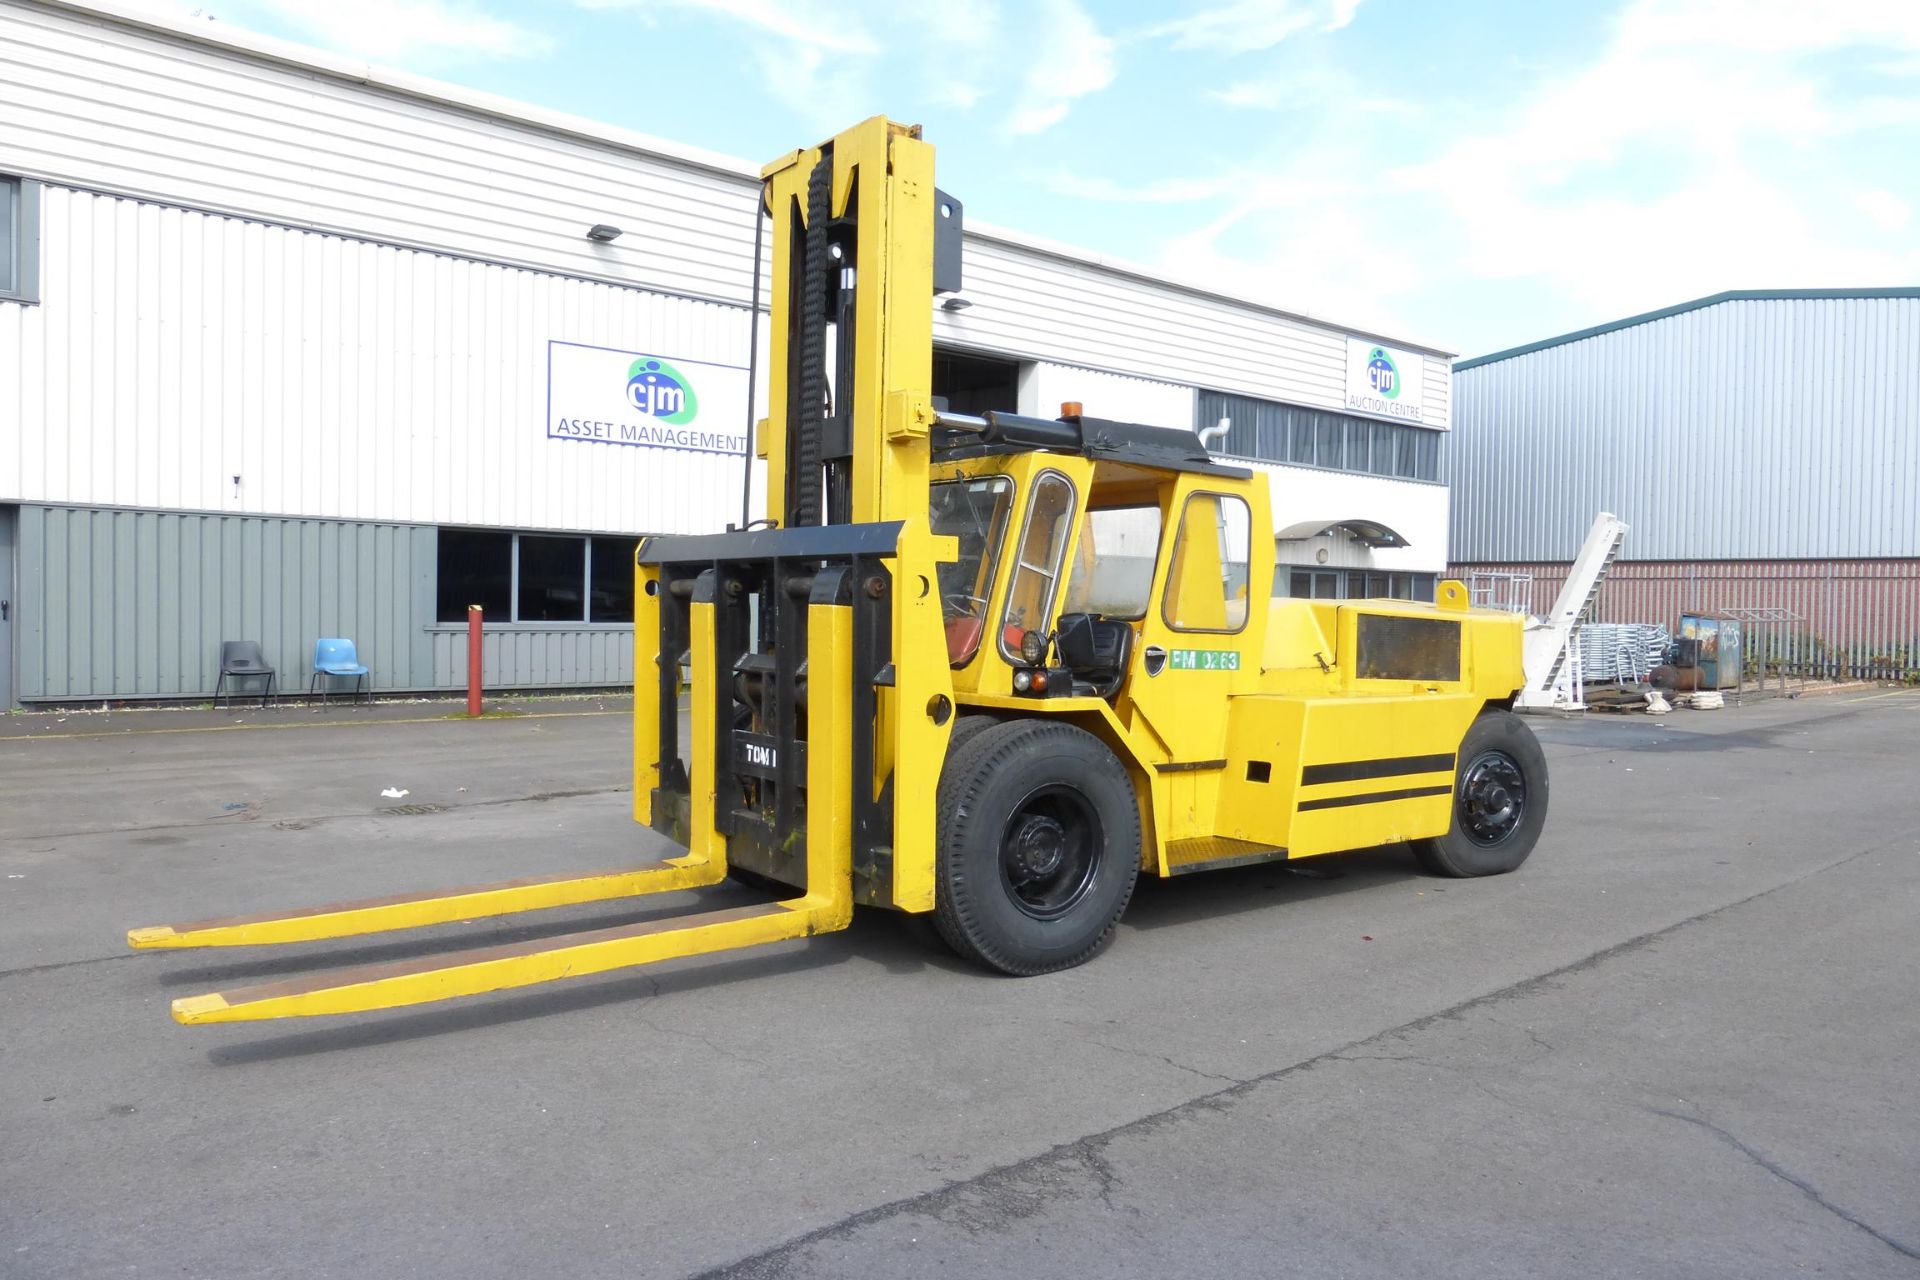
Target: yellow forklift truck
991 668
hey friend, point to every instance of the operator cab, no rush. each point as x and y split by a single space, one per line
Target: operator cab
1058 550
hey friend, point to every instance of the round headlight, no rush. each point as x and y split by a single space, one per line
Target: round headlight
1033 648
1022 681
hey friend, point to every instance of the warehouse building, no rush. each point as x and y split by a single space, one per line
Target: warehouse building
292 347
1764 447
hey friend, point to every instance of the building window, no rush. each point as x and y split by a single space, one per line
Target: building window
974 385
1267 431
1207 575
612 580
19 240
1351 584
535 577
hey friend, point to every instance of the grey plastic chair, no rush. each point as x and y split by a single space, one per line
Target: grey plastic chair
242 660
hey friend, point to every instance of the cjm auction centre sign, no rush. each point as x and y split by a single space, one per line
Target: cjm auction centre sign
645 399
1385 382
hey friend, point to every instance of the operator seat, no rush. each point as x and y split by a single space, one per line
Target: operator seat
1097 650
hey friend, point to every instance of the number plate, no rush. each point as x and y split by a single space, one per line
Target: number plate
1204 660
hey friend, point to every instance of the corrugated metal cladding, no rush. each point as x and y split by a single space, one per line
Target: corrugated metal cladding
1858 618
1034 304
1045 386
526 657
92 102
1750 429
337 378
130 604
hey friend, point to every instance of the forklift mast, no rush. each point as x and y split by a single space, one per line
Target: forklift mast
859 234
767 781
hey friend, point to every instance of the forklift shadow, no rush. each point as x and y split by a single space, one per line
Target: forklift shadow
1181 900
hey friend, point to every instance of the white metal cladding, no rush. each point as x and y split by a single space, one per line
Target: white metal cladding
1783 428
176 350
314 141
91 102
1045 386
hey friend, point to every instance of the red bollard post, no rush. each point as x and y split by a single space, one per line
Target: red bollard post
473 659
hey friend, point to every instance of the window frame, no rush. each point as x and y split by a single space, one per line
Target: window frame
24 194
1173 556
513 618
1292 435
1034 483
996 546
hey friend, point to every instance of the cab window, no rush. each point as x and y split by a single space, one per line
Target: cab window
1207 576
974 512
1037 565
1113 562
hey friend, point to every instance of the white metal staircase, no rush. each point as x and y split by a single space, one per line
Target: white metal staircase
1550 658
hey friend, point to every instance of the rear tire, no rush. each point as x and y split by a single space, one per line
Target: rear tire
1039 847
1499 801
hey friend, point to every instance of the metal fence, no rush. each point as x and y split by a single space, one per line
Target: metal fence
1860 619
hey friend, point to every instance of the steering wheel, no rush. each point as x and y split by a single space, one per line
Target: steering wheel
966 604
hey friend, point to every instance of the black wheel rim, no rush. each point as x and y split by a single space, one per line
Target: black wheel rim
1493 798
1049 852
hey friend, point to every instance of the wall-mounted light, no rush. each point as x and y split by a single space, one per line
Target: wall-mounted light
955 302
603 233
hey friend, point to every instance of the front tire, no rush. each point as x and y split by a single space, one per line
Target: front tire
1499 801
1039 847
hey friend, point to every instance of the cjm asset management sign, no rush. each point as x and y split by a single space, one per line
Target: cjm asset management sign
1385 382
641 398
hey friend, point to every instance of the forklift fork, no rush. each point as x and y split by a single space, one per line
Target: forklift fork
825 906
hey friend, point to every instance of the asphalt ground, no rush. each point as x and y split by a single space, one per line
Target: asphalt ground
1679 1042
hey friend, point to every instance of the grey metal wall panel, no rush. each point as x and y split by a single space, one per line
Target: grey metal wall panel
134 604
7 522
537 657
115 604
1778 428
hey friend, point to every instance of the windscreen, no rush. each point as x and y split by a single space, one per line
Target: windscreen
975 512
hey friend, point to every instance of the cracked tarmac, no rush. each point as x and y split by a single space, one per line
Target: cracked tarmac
1679 1042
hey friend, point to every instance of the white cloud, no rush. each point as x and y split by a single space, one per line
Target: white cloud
1070 58
394 29
1710 144
837 30
1244 26
826 62
1883 208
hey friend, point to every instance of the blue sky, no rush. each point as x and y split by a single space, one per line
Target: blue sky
1469 175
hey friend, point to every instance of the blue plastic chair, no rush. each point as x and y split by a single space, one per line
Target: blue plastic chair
336 658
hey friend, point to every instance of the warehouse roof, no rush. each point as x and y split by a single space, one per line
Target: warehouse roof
1712 300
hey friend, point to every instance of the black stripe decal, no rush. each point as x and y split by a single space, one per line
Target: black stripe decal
1354 770
1374 797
